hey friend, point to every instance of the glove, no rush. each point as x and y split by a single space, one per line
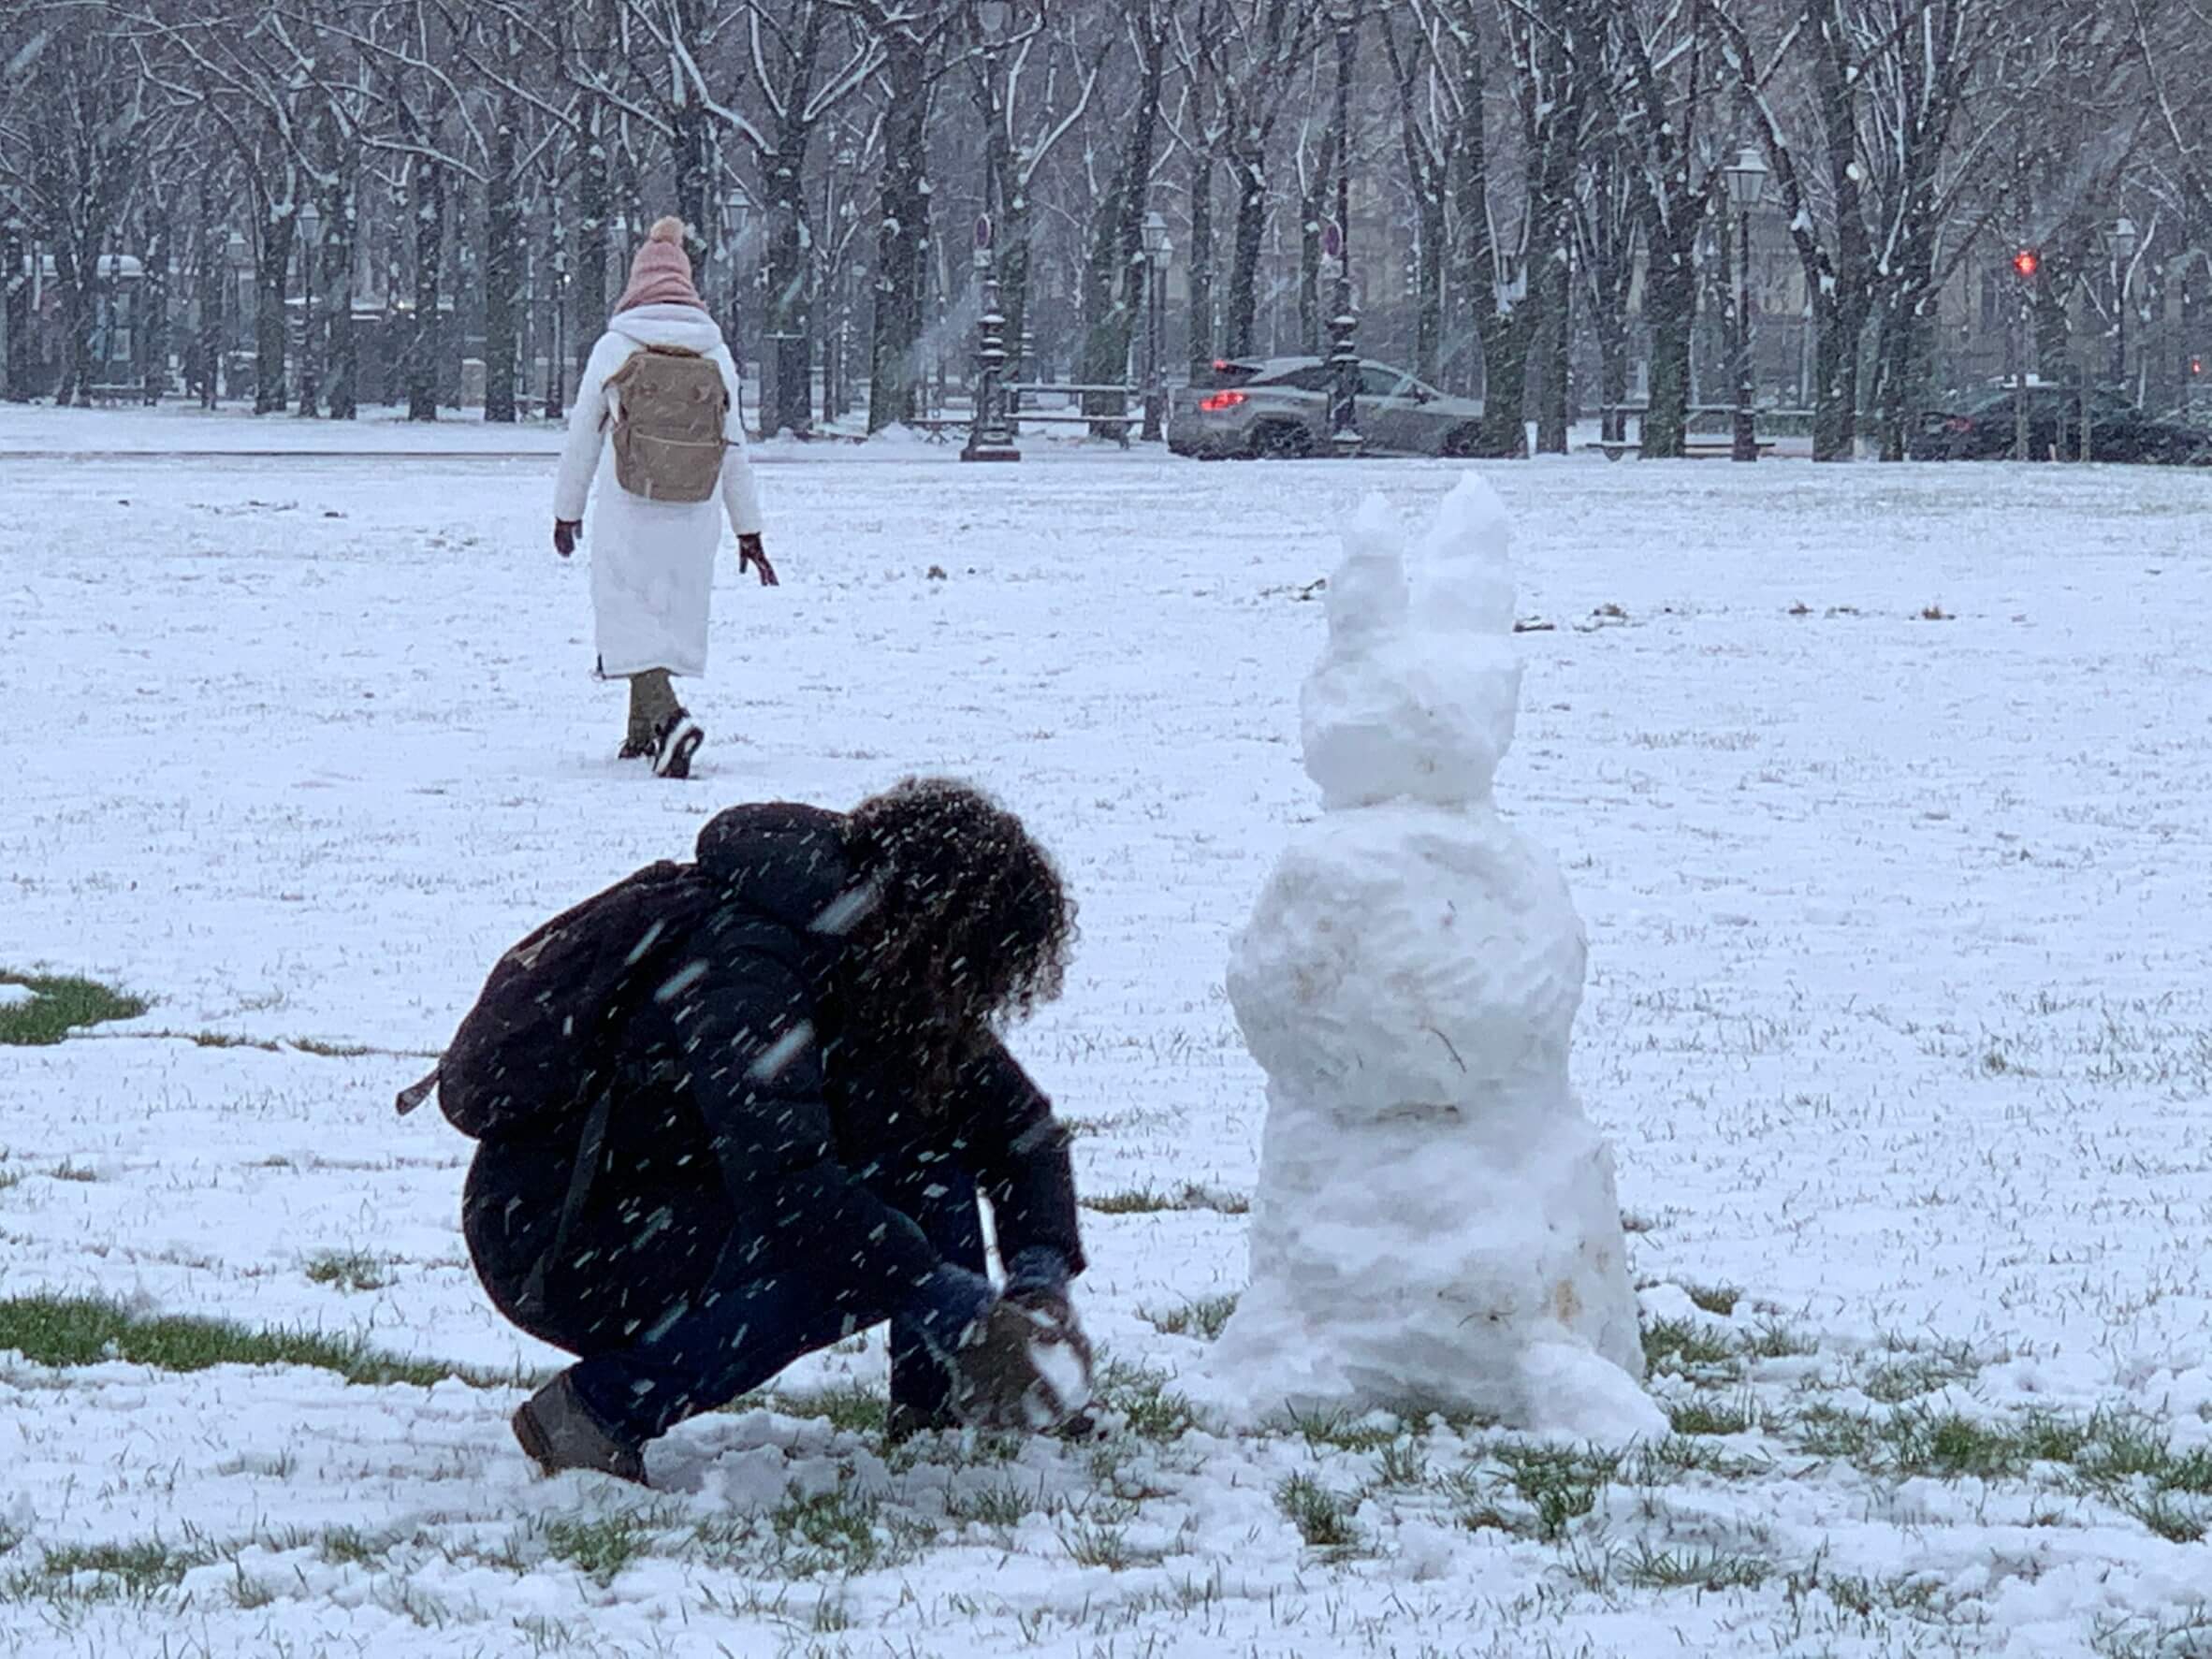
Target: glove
1025 1365
752 556
565 535
1039 1267
947 1307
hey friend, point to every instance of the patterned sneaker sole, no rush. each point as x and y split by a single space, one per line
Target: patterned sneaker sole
674 760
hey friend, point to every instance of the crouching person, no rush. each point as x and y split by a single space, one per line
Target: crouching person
780 1125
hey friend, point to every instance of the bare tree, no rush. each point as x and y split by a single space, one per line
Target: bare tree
76 137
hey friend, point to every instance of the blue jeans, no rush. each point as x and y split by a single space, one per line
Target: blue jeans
753 1317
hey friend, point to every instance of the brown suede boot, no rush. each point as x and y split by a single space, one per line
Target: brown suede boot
560 1433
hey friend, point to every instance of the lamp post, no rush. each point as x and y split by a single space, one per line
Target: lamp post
1747 187
1158 249
1345 437
989 437
2120 246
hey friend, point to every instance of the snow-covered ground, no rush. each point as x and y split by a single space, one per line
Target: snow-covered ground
1884 794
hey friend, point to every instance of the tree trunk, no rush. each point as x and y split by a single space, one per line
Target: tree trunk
1202 270
902 240
1558 352
209 277
1670 315
1428 327
425 346
1839 329
160 249
273 259
1312 310
502 276
1114 283
341 228
15 284
594 210
1248 172
790 314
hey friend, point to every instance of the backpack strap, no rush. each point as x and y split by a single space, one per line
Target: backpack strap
415 1093
590 1144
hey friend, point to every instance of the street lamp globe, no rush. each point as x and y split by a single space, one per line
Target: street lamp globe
994 19
2119 239
1747 181
1156 245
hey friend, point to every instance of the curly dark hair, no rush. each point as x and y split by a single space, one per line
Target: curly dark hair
972 926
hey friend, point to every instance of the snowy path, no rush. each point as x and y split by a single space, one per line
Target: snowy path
1898 1017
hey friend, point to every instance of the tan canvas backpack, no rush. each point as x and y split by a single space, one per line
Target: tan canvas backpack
669 428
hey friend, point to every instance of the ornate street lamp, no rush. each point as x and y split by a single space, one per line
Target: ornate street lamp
989 437
1345 437
1159 249
1747 188
2119 247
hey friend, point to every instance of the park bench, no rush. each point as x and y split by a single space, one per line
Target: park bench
1118 423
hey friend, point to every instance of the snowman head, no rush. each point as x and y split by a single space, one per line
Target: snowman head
1416 695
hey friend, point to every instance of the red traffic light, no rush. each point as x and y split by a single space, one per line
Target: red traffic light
2027 262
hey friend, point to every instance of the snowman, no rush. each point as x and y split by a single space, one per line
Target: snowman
1436 1226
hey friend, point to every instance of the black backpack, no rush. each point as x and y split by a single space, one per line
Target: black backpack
537 1048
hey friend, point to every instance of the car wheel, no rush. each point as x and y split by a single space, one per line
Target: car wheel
1281 441
1461 444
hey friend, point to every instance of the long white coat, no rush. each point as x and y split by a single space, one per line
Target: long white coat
652 562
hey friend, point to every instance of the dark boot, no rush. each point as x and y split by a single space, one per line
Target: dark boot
560 1433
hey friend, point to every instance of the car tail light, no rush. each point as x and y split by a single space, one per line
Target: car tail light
1221 401
1959 423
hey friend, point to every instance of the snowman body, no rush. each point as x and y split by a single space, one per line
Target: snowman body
1435 1226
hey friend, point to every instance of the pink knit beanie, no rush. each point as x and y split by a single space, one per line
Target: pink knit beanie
661 272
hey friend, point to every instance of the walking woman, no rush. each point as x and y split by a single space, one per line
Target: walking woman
663 388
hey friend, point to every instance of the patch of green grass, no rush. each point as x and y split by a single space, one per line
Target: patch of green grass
1403 1464
331 1051
1147 1201
1094 1544
347 1270
852 1407
1715 1299
10 1178
1005 1505
1322 1518
346 1546
2173 1520
599 1547
1343 1431
1687 1343
58 1005
831 1532
133 1571
1692 1569
1773 1340
229 1039
1142 1396
1561 1483
1203 1318
68 1170
84 1331
1705 1416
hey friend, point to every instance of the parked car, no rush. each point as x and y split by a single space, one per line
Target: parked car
1279 407
1985 430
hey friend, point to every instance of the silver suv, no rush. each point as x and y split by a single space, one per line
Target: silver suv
1278 408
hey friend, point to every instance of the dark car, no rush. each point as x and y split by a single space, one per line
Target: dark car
1279 407
1987 430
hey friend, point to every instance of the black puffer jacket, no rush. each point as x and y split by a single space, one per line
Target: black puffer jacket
747 1116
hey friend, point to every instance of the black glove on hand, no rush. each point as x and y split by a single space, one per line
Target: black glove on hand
565 535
